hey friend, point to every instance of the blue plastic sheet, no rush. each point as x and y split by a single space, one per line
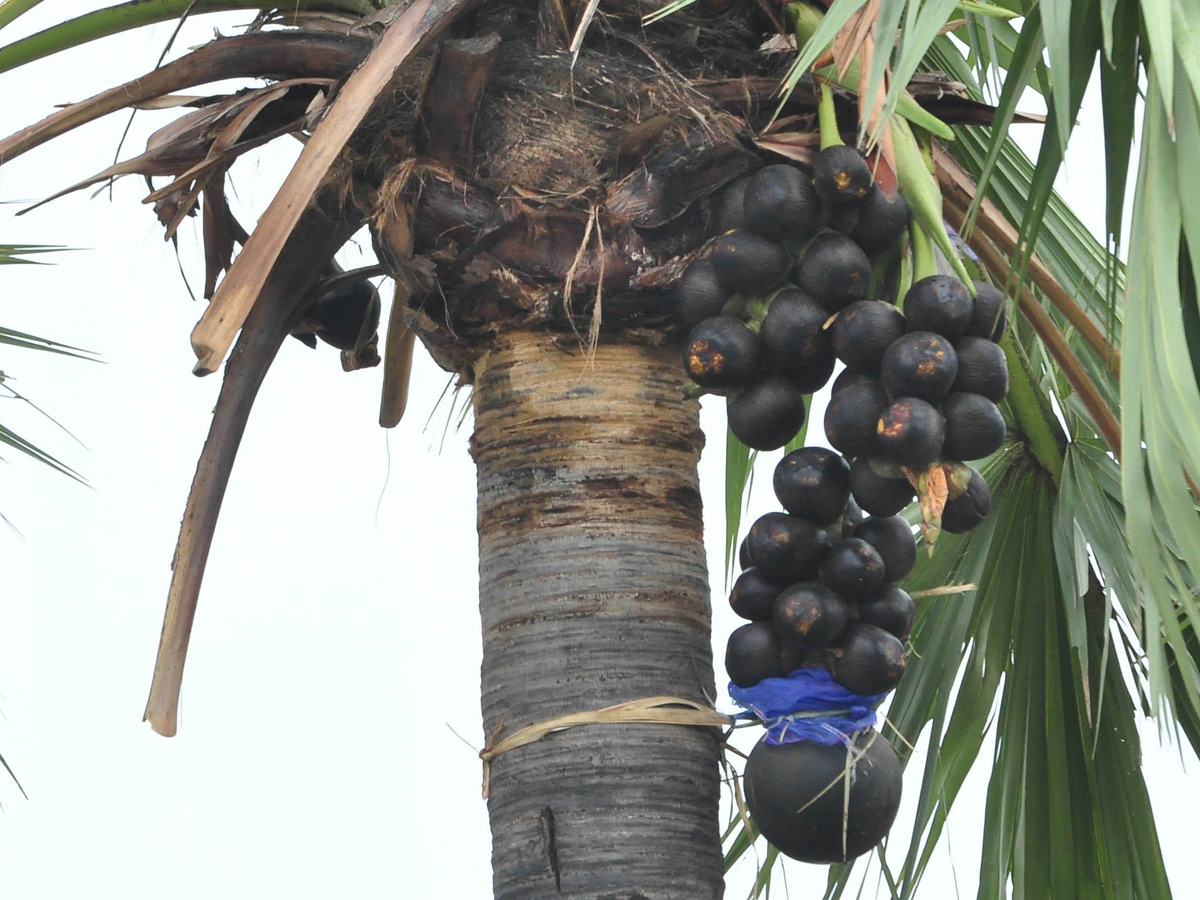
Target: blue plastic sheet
806 705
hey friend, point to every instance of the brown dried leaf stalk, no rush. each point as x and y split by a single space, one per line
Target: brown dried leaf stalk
307 254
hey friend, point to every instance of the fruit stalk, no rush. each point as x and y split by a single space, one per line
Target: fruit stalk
924 260
920 189
827 119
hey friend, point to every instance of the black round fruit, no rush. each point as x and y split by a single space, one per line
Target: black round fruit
911 432
982 368
796 342
964 512
863 331
853 568
786 549
841 176
792 657
921 364
749 264
780 203
866 660
876 494
348 315
813 483
850 377
852 516
722 352
699 293
974 426
892 537
882 221
752 654
744 560
797 796
988 319
852 417
834 271
939 303
730 209
809 615
767 414
753 597
891 609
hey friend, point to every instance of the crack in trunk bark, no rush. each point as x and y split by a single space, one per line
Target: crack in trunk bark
594 591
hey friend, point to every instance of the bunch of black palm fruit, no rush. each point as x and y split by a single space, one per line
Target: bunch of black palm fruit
795 249
781 296
818 584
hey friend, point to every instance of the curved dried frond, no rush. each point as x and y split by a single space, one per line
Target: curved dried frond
275 55
103 23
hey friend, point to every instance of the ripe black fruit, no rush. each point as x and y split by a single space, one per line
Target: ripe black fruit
749 264
982 368
850 377
866 660
876 494
863 331
813 483
786 549
780 203
852 417
939 303
834 271
752 654
809 615
744 560
853 568
721 352
730 211
793 657
891 609
964 512
974 426
841 176
753 597
699 293
348 315
797 796
921 364
893 538
882 221
911 432
796 342
988 319
767 414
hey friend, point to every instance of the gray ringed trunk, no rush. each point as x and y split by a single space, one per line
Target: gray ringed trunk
594 591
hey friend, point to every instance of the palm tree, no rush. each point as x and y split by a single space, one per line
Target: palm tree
535 176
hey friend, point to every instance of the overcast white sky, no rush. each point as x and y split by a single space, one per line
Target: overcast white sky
337 642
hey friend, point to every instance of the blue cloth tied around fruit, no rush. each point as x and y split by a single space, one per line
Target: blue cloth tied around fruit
806 705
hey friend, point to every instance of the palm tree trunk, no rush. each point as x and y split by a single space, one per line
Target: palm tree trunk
594 591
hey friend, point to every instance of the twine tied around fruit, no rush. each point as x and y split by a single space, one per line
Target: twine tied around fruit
807 705
647 711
